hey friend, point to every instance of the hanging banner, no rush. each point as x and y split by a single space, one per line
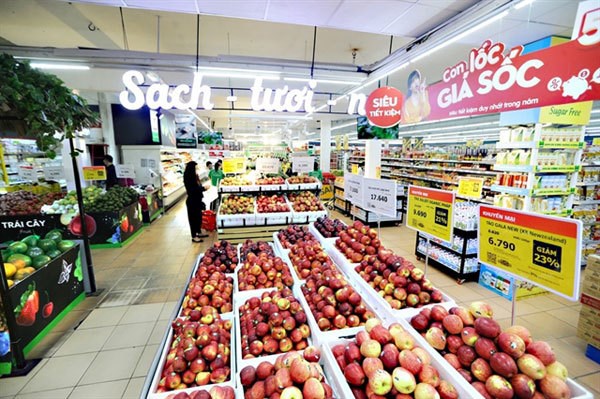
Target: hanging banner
353 189
496 79
430 211
267 165
380 196
470 187
543 250
303 164
234 165
94 173
125 171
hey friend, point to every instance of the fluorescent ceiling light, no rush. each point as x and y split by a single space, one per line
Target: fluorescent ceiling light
238 73
231 99
201 121
343 126
40 65
523 4
332 81
461 35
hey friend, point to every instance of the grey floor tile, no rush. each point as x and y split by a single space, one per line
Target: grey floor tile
129 335
112 365
142 313
102 390
167 311
47 394
12 386
85 340
141 369
104 317
134 388
59 372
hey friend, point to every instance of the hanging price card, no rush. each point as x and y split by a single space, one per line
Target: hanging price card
126 171
430 211
267 165
353 189
543 250
28 173
94 173
470 187
303 164
234 165
380 196
54 173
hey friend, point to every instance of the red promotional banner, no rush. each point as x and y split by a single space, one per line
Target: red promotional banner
384 107
491 81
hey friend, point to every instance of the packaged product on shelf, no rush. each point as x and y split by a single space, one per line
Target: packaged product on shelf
466 215
509 201
548 204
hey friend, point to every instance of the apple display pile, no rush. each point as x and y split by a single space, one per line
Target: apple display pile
333 302
237 204
328 227
271 204
256 247
397 280
309 258
268 181
200 353
292 376
305 201
294 234
264 271
222 255
357 241
302 179
272 323
499 364
385 363
235 181
207 289
215 392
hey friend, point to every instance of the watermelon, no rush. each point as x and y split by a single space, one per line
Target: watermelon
53 253
18 247
65 245
32 252
54 235
40 261
31 240
46 244
19 259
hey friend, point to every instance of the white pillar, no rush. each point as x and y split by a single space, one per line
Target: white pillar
372 158
108 131
325 145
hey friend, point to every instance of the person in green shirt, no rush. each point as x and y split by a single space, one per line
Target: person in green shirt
317 172
216 174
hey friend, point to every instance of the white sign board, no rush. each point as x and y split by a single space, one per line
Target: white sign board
126 171
267 165
28 173
54 173
353 189
380 196
303 164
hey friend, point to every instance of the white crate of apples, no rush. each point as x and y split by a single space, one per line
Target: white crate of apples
386 362
236 210
498 364
327 229
303 182
306 207
272 209
270 183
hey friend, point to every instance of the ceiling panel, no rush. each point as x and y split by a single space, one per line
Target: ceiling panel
419 20
373 18
187 6
252 9
306 12
451 5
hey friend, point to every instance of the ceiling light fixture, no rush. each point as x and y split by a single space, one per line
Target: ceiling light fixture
201 121
337 127
73 67
522 4
231 99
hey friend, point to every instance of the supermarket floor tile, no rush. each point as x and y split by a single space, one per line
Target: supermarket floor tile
103 390
9 387
59 372
129 335
158 332
142 313
84 341
47 394
143 365
103 317
134 388
110 365
592 382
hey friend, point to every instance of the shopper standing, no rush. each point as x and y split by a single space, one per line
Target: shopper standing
209 166
216 174
194 202
111 172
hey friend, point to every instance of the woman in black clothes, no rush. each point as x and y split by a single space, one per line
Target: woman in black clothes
194 202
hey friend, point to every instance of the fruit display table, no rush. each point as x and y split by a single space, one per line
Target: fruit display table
151 203
35 296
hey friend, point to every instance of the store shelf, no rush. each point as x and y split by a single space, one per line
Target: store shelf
513 168
439 160
557 169
541 145
438 169
449 247
588 202
480 200
589 183
171 191
510 190
564 212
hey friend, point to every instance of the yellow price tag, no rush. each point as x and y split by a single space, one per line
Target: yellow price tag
234 165
94 173
470 187
430 211
326 192
540 249
354 169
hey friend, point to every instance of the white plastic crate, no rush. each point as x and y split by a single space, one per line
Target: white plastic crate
271 187
303 186
240 299
323 240
273 218
338 258
152 394
306 217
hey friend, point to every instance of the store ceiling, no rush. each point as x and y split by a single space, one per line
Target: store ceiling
269 31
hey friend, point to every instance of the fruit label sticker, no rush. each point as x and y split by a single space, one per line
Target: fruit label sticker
430 211
543 250
380 196
267 165
470 187
126 171
28 173
303 164
497 281
94 173
353 189
234 165
54 173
